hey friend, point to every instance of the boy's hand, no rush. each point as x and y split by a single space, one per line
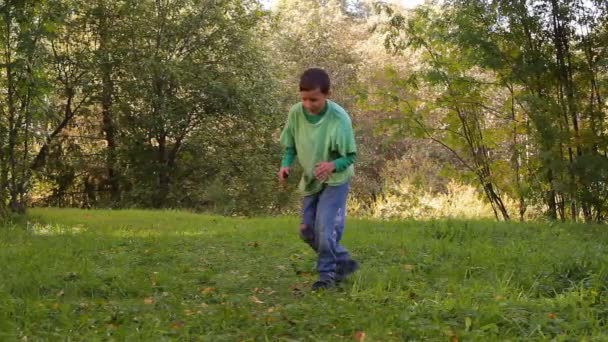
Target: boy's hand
283 174
324 170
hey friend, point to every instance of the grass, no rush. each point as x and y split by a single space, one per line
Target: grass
78 275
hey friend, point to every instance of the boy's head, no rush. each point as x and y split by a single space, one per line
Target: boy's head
314 89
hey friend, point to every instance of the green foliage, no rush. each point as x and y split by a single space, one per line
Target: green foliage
200 75
310 33
142 99
179 103
512 84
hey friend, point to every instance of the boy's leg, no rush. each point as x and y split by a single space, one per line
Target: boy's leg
342 254
344 264
307 224
330 207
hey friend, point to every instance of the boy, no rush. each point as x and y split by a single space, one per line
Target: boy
320 133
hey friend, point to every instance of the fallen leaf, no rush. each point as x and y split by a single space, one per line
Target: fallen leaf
256 300
360 336
297 290
552 316
149 301
177 325
207 290
454 339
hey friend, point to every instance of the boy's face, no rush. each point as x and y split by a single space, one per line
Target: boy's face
313 100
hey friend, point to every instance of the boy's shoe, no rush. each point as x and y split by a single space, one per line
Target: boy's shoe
323 284
346 268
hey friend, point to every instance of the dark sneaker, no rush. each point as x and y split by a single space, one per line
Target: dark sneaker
346 268
323 284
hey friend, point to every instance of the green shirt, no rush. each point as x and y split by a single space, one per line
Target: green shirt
341 163
331 138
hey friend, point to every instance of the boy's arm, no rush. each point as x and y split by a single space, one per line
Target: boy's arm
344 162
288 141
288 156
345 145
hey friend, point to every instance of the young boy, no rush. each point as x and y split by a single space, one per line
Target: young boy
320 133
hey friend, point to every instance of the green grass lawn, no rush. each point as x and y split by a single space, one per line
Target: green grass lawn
164 275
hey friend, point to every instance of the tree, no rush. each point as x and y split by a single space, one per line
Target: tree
188 62
312 33
458 97
538 89
23 111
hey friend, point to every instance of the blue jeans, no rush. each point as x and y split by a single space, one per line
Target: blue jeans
322 226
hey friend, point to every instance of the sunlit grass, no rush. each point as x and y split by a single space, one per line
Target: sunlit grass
154 275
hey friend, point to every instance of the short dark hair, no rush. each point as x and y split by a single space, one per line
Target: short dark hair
315 78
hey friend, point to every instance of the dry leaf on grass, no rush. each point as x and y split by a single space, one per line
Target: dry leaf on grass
256 300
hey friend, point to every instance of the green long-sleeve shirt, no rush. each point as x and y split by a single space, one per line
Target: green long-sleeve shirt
341 163
316 138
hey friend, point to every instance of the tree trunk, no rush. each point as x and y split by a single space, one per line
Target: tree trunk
567 100
164 178
9 178
473 135
550 198
516 158
109 127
